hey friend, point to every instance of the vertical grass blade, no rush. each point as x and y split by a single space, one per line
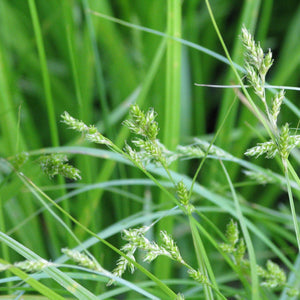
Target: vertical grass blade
98 67
173 77
203 262
48 93
45 73
171 126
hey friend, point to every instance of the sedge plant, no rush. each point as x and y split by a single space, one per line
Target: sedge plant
153 159
146 149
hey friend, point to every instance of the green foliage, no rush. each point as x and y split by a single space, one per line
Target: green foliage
98 61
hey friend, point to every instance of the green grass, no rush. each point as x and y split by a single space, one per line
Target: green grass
94 59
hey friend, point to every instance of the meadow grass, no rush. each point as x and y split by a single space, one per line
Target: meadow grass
169 193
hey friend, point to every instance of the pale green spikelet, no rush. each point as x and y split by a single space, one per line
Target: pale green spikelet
284 143
135 156
240 252
269 148
136 240
141 123
235 245
19 159
232 235
74 123
4 267
56 164
267 63
169 244
261 271
212 149
150 150
33 265
255 55
257 65
183 196
227 248
136 237
179 296
287 143
129 249
259 177
182 193
198 276
191 151
82 259
119 270
255 81
153 251
274 276
232 232
137 122
152 126
90 133
277 101
122 265
294 141
133 233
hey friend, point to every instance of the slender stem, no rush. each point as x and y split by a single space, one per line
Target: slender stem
209 147
45 73
292 205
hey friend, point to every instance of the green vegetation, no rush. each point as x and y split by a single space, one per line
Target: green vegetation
178 190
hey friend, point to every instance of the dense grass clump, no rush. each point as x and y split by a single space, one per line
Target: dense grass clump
149 149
